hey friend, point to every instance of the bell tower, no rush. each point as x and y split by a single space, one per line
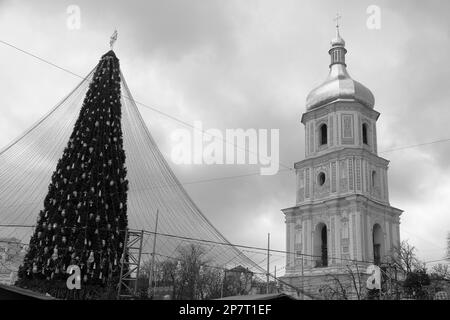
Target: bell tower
342 213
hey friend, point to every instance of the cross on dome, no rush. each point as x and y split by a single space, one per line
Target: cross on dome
338 16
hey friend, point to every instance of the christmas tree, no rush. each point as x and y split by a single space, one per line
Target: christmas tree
84 218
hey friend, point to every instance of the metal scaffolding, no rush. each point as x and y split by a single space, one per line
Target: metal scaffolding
130 264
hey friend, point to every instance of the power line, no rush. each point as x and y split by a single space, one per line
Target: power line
42 59
416 145
431 261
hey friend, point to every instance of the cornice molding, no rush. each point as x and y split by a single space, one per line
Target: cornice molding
340 153
339 105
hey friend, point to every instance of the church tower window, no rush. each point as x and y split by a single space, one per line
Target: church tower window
323 134
377 244
364 133
374 177
320 246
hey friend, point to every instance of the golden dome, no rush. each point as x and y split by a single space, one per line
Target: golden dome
338 41
339 84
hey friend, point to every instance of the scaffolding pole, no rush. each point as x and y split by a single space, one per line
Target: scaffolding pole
151 286
130 264
268 262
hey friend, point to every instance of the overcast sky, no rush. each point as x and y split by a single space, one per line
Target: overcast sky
250 64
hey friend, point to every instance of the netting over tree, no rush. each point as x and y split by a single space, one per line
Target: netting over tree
75 128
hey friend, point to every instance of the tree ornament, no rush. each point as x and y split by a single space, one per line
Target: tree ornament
91 257
55 254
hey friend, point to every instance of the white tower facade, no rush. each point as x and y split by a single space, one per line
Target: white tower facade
342 212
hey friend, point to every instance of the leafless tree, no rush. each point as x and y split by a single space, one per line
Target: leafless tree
346 286
404 258
441 272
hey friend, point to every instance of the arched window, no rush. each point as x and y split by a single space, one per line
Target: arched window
320 245
323 134
364 133
377 244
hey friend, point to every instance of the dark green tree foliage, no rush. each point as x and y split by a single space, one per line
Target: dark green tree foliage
84 217
415 283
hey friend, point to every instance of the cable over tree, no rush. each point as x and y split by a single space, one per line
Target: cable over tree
85 210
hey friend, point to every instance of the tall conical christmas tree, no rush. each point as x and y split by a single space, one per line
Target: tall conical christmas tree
85 211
